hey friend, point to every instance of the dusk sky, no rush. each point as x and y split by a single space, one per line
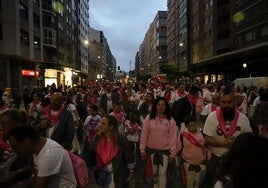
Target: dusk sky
124 23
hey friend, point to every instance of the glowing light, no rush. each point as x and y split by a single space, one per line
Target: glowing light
58 7
238 17
86 42
245 65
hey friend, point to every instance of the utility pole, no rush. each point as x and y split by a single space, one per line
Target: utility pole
130 65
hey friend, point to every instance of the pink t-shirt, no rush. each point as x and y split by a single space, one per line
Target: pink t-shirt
191 153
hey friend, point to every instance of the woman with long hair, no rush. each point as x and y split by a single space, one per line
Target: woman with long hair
114 158
158 140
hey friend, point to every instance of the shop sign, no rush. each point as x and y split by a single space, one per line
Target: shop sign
29 73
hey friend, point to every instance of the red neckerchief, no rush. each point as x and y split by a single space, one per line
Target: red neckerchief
106 150
167 95
93 99
35 103
239 108
162 116
119 116
109 98
8 151
143 93
134 127
181 94
212 107
3 144
53 119
191 99
3 107
192 139
222 123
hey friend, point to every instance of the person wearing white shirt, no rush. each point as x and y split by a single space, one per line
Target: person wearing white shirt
53 164
180 93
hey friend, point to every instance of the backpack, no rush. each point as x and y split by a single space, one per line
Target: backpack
80 170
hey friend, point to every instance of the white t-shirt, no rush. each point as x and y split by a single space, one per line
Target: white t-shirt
211 126
141 97
207 95
109 102
53 160
207 109
71 107
256 101
175 96
50 130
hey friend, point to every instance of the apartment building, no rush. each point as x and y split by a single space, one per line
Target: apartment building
232 36
212 39
102 62
153 50
20 44
173 32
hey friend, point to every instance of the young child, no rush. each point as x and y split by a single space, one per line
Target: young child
132 130
119 114
91 124
193 152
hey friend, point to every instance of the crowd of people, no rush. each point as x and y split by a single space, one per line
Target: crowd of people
193 133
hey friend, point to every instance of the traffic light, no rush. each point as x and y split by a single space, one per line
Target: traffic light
118 68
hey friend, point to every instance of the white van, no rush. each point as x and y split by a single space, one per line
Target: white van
251 81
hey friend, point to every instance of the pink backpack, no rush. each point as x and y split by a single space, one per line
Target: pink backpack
80 170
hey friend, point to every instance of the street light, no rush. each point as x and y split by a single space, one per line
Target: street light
86 42
245 65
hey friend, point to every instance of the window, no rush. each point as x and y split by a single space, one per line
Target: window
36 2
210 18
23 11
24 37
250 36
36 20
210 33
206 21
210 2
206 6
36 42
1 31
49 37
239 40
264 31
60 26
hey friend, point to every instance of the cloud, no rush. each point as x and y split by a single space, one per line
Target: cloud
124 23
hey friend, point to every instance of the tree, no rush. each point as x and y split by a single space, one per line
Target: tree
171 70
144 78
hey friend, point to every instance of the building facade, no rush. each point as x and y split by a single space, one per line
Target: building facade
211 40
20 44
44 42
102 62
173 32
153 50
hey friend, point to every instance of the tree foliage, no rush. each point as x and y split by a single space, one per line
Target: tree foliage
171 70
